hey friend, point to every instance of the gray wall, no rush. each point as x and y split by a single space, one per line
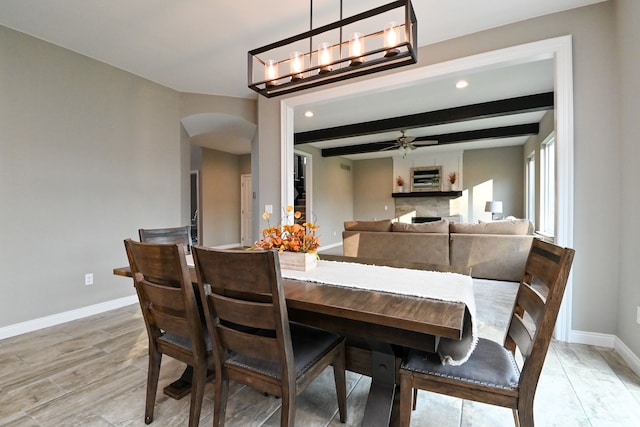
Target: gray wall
627 13
220 197
598 283
504 167
373 185
88 154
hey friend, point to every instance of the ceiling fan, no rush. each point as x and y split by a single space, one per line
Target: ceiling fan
406 144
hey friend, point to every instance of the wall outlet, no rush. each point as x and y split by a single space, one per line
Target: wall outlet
88 279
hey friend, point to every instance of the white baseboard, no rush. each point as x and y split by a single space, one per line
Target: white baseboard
229 246
592 338
608 341
632 360
326 247
67 316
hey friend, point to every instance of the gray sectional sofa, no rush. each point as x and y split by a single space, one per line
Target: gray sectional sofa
494 250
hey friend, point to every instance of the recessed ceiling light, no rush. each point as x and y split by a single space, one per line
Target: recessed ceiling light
308 114
461 84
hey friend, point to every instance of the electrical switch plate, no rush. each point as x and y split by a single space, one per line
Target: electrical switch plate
268 209
638 316
88 279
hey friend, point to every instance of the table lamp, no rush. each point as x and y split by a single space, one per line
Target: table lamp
495 207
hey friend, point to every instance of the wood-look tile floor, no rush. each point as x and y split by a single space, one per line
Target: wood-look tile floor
92 372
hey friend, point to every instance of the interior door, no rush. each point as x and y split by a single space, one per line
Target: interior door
246 198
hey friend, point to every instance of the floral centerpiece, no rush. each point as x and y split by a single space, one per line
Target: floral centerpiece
400 183
291 238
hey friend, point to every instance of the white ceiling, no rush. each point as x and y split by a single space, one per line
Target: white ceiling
200 46
434 94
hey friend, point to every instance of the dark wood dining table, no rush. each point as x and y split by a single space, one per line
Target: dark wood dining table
378 327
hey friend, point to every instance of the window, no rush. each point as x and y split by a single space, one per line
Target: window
530 190
547 186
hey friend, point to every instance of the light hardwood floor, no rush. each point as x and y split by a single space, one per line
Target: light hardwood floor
92 372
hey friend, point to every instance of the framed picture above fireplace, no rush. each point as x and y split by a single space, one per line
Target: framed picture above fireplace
427 178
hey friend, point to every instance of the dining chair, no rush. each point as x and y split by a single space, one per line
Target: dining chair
174 235
255 344
492 374
169 307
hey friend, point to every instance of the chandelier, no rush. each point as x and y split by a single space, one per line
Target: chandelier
378 39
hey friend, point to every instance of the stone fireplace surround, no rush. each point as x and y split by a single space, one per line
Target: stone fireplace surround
445 207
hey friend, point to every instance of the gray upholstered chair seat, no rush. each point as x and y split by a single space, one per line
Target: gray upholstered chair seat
490 364
309 345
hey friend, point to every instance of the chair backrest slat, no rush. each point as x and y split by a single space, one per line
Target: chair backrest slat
521 335
242 277
173 235
252 345
531 301
543 264
165 307
248 313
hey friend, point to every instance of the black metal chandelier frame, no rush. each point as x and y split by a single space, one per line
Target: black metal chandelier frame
344 67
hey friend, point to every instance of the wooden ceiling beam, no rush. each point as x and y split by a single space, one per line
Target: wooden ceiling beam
518 105
448 138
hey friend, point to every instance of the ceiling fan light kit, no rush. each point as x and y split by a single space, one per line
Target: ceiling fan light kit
378 39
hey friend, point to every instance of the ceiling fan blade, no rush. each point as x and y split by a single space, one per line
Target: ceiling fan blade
392 147
426 143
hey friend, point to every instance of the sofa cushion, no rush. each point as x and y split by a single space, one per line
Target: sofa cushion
382 225
441 226
490 256
430 248
518 227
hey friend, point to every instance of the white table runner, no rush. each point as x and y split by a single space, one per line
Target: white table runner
451 287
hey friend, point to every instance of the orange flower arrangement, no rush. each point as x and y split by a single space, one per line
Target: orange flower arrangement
289 237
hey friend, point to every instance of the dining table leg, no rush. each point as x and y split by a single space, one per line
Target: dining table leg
383 385
182 386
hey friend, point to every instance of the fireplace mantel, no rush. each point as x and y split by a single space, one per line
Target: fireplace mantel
428 194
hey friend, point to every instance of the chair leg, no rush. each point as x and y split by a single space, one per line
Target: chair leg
197 394
524 413
339 368
405 400
153 372
220 400
288 408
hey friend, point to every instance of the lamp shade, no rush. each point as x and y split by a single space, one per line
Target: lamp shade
493 207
